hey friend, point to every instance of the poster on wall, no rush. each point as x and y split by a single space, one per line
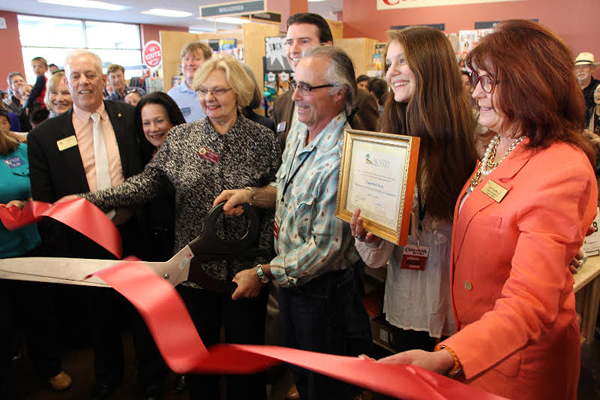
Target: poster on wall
275 58
398 4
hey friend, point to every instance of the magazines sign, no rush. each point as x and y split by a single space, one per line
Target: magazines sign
398 4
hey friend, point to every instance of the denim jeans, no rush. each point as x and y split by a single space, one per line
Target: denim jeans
314 318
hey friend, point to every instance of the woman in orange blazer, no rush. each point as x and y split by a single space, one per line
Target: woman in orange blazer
519 221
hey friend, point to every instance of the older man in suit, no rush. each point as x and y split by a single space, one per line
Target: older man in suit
91 147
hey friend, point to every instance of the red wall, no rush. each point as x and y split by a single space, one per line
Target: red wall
151 32
575 21
12 58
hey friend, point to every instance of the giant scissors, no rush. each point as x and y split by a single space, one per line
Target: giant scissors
183 266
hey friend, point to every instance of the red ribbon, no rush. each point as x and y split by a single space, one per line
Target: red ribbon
177 339
95 225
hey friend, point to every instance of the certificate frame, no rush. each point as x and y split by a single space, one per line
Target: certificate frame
367 179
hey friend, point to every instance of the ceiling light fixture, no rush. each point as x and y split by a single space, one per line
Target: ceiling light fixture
86 4
161 12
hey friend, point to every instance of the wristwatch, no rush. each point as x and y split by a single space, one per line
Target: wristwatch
262 277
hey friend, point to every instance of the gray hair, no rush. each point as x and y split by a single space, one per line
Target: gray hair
80 53
340 72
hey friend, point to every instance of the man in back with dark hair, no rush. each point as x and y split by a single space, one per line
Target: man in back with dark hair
305 31
115 74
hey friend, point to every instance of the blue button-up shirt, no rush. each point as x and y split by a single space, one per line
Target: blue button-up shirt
311 240
188 103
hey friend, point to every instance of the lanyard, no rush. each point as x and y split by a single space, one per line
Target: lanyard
291 178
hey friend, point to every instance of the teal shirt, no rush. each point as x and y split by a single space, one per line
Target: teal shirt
14 185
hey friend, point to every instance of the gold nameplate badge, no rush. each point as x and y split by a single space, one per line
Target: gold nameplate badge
67 143
494 191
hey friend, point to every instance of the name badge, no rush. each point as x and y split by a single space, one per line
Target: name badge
67 143
186 110
14 162
414 257
209 155
281 126
275 229
494 191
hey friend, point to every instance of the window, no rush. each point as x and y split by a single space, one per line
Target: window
54 38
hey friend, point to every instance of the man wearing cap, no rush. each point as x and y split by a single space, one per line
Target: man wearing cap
584 65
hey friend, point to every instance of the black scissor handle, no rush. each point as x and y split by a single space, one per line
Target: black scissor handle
209 243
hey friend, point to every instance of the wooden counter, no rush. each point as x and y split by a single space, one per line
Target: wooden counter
587 280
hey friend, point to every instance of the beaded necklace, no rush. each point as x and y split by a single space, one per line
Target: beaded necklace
487 165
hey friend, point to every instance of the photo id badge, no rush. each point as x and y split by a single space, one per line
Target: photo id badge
414 257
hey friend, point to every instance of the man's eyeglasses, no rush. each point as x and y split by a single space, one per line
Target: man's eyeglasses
305 88
487 82
218 92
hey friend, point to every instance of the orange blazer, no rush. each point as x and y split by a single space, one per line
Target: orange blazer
512 292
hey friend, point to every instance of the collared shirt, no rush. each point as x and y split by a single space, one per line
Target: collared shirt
311 240
188 102
84 131
116 97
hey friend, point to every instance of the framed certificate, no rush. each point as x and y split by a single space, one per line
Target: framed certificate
377 175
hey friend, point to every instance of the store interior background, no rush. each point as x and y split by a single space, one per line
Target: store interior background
575 21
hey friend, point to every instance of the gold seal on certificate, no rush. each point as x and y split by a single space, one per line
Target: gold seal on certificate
377 175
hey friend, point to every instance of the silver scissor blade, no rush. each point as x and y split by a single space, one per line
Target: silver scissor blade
74 271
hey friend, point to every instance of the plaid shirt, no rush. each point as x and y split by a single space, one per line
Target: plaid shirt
311 240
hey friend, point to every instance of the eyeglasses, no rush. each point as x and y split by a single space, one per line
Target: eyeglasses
218 92
305 88
487 82
132 90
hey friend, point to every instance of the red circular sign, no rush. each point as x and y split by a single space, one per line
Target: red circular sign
152 54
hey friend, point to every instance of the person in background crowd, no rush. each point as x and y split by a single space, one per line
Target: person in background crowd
379 88
133 96
512 291
58 98
593 114
14 120
584 65
417 303
36 98
592 129
32 298
89 166
362 82
25 92
4 94
255 103
314 266
304 31
38 116
14 102
52 68
466 80
155 115
193 55
115 75
214 154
